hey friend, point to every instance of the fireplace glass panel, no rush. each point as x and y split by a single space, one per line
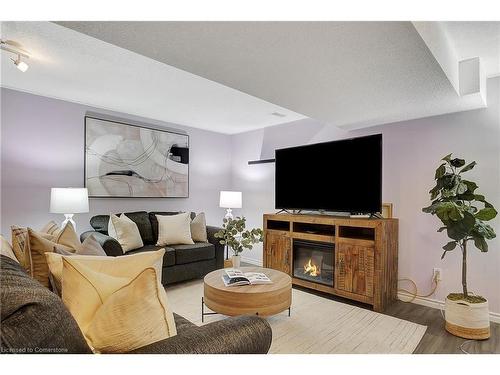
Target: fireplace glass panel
313 261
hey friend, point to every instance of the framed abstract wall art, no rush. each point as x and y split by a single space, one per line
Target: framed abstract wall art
124 160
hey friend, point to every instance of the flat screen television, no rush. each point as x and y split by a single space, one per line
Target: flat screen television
338 176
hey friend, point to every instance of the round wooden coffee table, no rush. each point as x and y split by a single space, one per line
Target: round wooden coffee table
263 300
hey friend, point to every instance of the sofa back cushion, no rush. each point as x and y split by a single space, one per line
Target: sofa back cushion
141 218
154 220
34 320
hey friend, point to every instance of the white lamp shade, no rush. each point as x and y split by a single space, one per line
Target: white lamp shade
230 199
69 200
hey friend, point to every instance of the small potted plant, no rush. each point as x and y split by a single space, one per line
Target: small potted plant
235 235
463 213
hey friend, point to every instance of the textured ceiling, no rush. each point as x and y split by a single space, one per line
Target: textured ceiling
477 39
69 65
349 74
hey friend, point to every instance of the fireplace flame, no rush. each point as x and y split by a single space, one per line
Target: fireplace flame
311 269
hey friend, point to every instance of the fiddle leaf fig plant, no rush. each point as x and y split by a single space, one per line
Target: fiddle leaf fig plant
463 213
235 235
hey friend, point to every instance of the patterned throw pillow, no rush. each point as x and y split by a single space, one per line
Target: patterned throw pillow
20 246
30 247
51 228
37 247
118 302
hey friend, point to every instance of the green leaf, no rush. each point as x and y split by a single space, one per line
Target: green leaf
450 246
458 230
432 208
486 214
479 197
468 167
471 186
448 211
440 171
434 192
481 244
466 197
457 163
483 230
447 157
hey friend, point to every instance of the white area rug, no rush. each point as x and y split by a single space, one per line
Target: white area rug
317 325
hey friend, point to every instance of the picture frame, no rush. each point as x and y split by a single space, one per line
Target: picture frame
125 160
387 210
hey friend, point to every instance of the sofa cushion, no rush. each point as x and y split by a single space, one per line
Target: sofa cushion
193 253
154 220
100 223
182 324
141 218
168 258
33 318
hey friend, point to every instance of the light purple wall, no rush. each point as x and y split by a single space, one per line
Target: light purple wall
42 143
42 147
412 150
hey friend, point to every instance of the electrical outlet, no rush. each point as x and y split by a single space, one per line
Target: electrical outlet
437 274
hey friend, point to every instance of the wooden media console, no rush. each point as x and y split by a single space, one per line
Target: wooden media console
354 258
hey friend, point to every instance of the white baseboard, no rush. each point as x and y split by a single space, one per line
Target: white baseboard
251 261
437 304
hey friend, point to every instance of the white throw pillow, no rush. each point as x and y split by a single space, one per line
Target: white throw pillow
199 228
125 231
174 229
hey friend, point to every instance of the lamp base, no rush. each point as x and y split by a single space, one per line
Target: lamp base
69 219
229 214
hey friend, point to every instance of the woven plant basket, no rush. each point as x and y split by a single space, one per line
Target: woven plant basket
467 320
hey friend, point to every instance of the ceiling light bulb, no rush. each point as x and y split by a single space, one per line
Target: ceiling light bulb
21 65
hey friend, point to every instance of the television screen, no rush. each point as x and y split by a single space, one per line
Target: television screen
340 176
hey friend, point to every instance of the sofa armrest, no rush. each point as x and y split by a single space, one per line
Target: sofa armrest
219 248
239 335
110 245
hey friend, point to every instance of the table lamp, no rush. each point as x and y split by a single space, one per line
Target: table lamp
69 201
229 200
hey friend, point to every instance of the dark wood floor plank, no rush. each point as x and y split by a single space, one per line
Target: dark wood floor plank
436 339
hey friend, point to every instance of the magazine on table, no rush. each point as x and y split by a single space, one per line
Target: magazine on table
234 277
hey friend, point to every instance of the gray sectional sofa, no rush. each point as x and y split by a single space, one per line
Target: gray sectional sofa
180 263
35 320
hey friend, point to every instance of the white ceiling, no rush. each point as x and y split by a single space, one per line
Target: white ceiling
473 39
69 65
349 74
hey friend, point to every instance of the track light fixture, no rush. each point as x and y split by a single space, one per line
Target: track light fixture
20 54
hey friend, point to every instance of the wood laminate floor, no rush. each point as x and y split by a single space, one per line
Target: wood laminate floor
436 340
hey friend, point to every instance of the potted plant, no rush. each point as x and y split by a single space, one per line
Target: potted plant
235 235
463 213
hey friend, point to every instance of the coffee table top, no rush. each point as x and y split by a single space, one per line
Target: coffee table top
279 280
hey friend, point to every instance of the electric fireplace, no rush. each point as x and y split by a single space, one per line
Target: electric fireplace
313 261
